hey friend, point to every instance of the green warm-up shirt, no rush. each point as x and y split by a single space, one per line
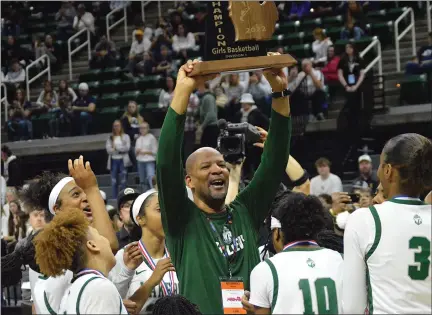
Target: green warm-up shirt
193 246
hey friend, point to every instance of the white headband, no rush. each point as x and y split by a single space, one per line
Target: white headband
275 224
55 192
136 207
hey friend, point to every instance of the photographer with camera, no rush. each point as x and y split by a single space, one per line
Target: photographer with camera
212 244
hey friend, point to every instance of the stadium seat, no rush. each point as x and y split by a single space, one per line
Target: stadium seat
290 39
94 87
287 28
91 75
149 82
111 73
311 24
110 86
108 100
148 96
414 90
333 21
124 99
105 118
301 51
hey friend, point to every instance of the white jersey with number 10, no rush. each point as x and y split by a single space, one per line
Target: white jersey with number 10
299 280
387 255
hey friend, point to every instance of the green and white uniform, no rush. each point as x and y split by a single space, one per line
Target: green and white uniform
92 293
299 280
195 250
48 292
127 281
387 255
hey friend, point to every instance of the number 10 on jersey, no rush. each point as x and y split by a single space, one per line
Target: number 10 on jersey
325 290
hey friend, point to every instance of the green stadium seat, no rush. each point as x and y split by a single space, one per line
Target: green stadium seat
111 73
311 24
91 75
94 87
290 39
129 85
151 107
394 13
148 96
124 99
360 44
383 30
414 90
379 15
334 32
37 27
110 86
149 82
108 100
287 28
333 21
106 117
301 51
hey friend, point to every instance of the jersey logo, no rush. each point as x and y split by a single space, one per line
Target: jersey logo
227 236
137 273
310 263
417 219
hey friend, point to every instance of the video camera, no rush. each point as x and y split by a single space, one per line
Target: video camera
233 138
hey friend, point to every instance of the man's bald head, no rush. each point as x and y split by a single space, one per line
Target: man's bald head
198 156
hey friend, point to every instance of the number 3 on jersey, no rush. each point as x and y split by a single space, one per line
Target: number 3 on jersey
325 289
420 271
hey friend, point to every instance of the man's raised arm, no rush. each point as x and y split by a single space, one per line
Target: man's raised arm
259 194
170 174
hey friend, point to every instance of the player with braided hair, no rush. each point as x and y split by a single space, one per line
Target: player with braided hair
283 283
175 305
387 246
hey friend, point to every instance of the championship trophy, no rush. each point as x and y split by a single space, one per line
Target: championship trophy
236 35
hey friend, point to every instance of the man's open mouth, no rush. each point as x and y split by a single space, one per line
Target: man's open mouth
217 183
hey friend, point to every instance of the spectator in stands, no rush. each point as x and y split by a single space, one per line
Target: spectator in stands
117 147
19 125
330 72
16 75
320 46
12 170
22 226
13 222
208 129
83 108
192 117
65 91
365 199
250 113
325 182
164 61
65 20
139 46
131 121
298 10
351 75
221 98
47 47
354 22
12 23
183 41
146 66
422 63
48 98
162 38
12 51
145 150
61 118
84 20
140 25
260 90
104 54
367 177
124 202
166 93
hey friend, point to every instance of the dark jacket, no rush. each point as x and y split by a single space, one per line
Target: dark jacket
14 173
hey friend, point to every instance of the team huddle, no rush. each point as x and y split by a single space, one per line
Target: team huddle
201 256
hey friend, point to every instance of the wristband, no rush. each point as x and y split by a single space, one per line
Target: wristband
301 180
283 93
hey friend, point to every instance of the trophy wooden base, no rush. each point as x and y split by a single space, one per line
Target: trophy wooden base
242 64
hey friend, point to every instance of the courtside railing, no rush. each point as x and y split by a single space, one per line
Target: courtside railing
73 52
399 36
4 101
428 15
37 76
146 3
123 19
378 59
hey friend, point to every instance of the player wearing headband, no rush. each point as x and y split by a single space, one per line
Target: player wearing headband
68 242
56 192
387 246
302 278
144 272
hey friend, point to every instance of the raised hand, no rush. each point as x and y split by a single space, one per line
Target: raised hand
162 267
188 84
276 77
132 256
82 173
263 134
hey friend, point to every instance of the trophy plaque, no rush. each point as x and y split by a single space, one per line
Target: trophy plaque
236 38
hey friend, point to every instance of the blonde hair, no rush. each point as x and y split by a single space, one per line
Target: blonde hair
319 32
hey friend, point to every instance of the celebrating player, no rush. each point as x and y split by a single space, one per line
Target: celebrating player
58 192
211 243
144 282
387 246
68 242
302 278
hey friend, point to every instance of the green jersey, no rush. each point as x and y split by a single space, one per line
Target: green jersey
194 246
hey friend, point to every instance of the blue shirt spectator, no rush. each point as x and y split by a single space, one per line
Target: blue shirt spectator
83 108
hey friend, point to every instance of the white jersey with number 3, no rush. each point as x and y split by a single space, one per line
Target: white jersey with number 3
299 281
387 255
